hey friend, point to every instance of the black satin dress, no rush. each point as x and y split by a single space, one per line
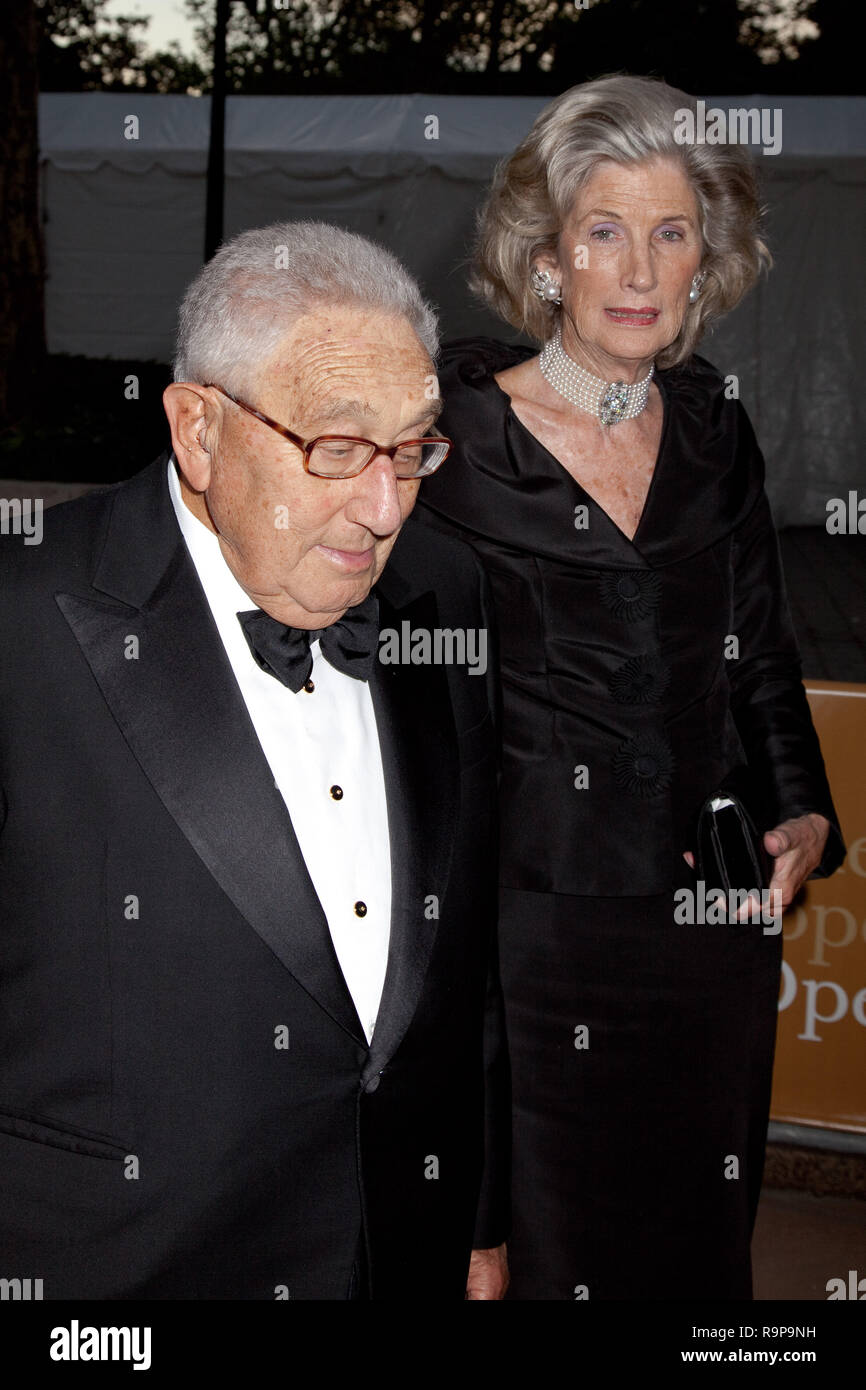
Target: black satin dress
641 1047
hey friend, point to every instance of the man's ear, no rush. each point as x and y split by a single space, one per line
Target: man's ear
190 414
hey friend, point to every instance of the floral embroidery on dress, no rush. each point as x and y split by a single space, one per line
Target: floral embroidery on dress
631 594
644 766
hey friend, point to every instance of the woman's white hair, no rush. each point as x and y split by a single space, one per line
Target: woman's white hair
628 120
245 300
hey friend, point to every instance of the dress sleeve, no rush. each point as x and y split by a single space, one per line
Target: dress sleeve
768 700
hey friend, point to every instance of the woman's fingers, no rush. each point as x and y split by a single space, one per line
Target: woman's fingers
796 846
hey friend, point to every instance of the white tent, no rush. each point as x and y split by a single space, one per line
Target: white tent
123 205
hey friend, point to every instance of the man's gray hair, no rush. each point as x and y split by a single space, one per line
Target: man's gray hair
242 304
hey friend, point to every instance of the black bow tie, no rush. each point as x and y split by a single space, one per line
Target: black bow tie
349 644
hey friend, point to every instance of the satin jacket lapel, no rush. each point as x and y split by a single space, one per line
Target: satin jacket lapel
179 708
418 745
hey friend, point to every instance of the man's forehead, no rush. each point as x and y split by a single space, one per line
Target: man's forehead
360 361
332 407
351 368
351 365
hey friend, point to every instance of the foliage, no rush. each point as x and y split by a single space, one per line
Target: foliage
510 46
84 49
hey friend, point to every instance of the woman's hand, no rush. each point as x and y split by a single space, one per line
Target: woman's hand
797 846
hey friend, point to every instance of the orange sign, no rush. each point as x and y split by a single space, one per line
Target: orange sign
820 1072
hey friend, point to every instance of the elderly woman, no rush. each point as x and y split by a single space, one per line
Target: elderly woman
613 488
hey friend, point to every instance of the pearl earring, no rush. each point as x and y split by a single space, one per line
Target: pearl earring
697 286
544 286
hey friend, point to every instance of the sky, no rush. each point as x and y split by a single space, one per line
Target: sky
167 20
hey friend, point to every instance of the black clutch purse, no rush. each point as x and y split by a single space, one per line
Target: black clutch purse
730 852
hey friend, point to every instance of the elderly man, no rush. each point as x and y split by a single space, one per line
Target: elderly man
250 1043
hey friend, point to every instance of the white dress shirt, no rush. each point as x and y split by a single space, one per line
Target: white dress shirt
323 750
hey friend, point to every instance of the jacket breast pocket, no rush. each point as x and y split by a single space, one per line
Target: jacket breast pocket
51 1134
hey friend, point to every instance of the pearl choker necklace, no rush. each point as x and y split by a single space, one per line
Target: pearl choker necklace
610 401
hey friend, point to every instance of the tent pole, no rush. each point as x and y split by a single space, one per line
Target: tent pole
214 208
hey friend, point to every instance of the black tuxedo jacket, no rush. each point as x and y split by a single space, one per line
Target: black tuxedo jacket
188 1105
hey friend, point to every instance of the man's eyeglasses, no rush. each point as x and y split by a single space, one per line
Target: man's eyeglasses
341 456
